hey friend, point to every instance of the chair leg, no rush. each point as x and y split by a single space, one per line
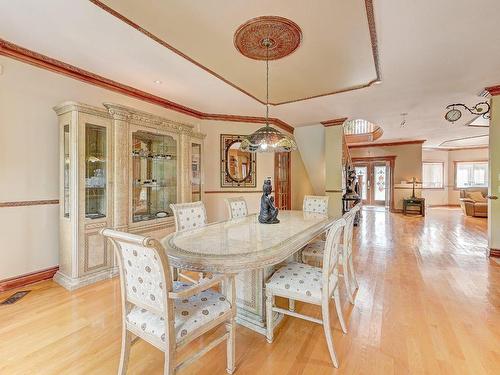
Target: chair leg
169 364
345 273
353 275
338 307
328 331
125 351
269 317
291 304
231 345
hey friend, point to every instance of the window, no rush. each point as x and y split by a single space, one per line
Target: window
471 174
433 175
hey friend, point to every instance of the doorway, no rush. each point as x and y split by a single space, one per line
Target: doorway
375 181
282 180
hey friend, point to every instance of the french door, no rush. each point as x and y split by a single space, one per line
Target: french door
282 188
373 179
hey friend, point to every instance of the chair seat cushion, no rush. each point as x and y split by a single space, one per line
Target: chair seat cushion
190 313
313 253
297 280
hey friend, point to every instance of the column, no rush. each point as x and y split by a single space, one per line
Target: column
494 177
334 135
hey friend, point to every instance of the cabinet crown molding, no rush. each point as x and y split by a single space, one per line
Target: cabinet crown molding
69 106
135 116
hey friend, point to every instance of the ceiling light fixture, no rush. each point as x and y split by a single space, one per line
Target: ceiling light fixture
480 109
267 138
158 82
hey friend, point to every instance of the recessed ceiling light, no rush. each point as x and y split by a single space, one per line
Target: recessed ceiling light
158 82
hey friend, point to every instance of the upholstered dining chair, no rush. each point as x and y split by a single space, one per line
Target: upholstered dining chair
313 254
188 216
312 285
165 313
315 203
236 207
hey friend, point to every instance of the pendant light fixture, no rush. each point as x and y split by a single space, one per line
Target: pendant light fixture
267 138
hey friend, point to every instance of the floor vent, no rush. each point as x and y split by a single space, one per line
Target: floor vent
15 297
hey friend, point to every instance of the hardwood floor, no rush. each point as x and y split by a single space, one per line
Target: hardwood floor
428 303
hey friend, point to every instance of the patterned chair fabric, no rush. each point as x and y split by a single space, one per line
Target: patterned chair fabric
167 313
237 207
189 215
143 280
189 314
297 280
315 203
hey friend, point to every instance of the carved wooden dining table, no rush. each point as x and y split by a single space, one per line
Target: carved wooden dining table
247 248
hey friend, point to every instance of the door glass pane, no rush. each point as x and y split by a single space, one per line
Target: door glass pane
361 173
66 171
154 173
380 179
195 172
95 171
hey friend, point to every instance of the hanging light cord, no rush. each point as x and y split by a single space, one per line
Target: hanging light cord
267 82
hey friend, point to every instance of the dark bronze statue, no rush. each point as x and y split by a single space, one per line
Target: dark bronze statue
268 211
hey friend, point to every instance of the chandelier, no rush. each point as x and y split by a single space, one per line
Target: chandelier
267 138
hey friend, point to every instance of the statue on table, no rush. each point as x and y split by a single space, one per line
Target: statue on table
268 211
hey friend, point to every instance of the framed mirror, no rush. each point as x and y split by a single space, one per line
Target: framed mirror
238 168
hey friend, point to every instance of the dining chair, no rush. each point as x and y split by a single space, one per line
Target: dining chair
236 207
312 285
315 203
165 313
312 254
189 216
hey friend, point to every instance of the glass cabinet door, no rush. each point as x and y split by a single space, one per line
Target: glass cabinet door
95 171
154 175
195 172
66 177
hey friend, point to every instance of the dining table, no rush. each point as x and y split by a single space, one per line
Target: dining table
248 249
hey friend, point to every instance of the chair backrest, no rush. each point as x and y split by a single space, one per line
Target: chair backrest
189 215
465 191
349 229
315 203
144 272
236 207
331 254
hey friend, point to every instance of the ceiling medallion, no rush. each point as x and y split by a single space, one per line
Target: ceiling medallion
284 36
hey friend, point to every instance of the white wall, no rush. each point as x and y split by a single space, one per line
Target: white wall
29 151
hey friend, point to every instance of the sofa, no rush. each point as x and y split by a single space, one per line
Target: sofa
474 202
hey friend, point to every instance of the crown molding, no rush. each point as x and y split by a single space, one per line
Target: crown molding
371 29
454 149
334 122
25 55
493 90
382 144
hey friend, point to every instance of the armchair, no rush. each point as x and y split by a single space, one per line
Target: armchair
473 202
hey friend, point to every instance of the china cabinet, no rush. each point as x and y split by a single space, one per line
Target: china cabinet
120 168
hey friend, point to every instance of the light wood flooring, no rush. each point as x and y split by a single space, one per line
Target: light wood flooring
428 303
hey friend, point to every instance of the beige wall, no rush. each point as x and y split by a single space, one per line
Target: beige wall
29 151
494 189
408 164
449 195
437 197
334 136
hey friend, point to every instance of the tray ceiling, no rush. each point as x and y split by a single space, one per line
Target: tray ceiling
335 55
